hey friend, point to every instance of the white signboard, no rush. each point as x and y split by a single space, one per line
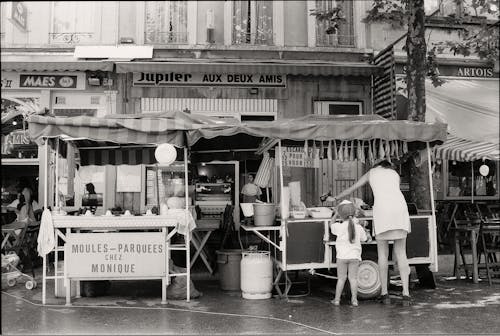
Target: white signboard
116 255
155 79
296 157
128 178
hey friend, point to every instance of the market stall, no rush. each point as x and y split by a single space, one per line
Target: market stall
301 242
468 167
99 245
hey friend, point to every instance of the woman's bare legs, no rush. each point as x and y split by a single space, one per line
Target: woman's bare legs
383 256
403 266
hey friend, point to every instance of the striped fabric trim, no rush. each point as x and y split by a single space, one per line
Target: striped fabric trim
384 86
119 156
458 149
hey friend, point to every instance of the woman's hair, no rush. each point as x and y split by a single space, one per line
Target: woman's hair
22 202
384 164
347 211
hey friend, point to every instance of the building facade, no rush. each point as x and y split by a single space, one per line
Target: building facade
250 60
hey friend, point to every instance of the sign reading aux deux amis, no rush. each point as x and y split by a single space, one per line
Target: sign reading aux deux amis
116 255
207 79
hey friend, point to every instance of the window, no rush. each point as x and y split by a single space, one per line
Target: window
73 22
252 22
166 22
457 9
338 108
345 33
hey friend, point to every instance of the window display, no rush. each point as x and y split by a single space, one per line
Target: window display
171 185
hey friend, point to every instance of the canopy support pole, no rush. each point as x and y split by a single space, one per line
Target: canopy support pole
281 178
187 237
472 183
431 191
45 202
56 183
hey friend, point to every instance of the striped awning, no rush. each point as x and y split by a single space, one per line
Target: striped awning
150 128
458 149
284 67
56 66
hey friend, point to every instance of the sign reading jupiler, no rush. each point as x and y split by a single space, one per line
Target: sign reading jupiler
156 79
116 255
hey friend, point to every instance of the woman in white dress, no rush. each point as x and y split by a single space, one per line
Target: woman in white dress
391 221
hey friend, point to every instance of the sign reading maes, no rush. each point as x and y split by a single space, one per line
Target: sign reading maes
156 79
116 255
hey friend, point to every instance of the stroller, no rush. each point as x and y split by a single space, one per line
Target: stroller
11 274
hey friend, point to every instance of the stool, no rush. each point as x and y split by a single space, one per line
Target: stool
466 238
489 234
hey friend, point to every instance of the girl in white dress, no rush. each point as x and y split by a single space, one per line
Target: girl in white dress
391 222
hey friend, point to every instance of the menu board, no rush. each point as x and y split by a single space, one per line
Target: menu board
297 157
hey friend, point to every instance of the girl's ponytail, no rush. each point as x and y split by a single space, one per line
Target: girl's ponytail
351 230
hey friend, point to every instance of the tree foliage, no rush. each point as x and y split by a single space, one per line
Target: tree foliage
478 36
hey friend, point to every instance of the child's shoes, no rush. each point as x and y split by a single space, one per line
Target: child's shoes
354 303
335 302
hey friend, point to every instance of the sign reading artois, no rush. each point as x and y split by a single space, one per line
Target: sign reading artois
156 79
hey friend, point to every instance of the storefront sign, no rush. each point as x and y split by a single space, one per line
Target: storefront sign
116 255
458 71
19 14
296 157
70 81
208 79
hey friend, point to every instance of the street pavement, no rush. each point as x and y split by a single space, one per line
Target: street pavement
455 307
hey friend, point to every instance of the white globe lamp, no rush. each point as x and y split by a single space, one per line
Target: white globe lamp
165 154
484 170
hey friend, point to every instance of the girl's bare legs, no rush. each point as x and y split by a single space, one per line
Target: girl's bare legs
341 278
353 280
383 256
403 266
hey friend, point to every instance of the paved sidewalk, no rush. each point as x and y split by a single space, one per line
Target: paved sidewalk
456 307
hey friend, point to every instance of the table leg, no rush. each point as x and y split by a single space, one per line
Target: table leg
199 246
475 275
457 257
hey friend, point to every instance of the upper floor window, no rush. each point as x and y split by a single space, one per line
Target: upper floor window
166 22
73 22
344 36
252 22
460 9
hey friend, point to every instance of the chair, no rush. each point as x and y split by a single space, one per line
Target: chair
489 246
227 226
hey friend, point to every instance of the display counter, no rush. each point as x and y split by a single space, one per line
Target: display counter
119 248
306 244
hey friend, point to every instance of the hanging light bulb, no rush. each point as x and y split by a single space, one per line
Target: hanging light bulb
14 123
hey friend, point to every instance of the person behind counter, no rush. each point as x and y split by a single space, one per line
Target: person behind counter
391 221
24 209
250 191
349 234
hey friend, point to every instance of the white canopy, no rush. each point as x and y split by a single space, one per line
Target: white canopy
470 108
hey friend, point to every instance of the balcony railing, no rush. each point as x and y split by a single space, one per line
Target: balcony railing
71 37
160 37
240 37
333 40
